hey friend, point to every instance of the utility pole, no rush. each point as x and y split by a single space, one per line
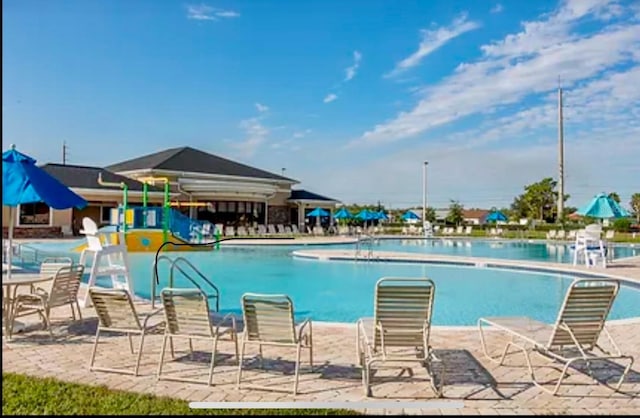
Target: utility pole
283 170
560 159
64 152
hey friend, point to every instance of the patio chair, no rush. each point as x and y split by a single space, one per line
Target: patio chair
268 320
241 231
609 234
294 229
280 229
459 230
63 291
402 323
572 235
262 230
229 231
116 313
271 229
574 336
468 230
187 315
560 234
288 230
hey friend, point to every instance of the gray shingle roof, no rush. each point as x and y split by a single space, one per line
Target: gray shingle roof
195 161
307 195
85 177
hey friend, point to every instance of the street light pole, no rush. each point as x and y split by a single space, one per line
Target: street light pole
424 196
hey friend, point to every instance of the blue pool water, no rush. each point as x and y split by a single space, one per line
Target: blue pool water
513 250
343 291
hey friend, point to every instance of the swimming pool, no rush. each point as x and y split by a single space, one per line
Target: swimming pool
337 291
512 250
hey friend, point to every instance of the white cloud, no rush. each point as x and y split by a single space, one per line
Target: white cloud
256 135
330 97
351 71
262 108
497 8
518 67
205 12
301 134
434 39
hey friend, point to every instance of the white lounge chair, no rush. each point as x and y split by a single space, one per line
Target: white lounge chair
561 234
468 230
242 231
268 320
288 230
609 234
573 338
187 316
229 231
551 234
399 330
459 230
262 230
271 229
280 228
294 229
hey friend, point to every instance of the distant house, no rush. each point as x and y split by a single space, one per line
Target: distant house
475 216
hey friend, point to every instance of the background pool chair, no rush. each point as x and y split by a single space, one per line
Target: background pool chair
468 230
459 230
116 313
572 234
242 231
609 234
288 230
229 231
574 336
561 234
187 316
280 229
63 291
294 229
551 234
262 230
271 229
318 231
268 320
250 230
401 325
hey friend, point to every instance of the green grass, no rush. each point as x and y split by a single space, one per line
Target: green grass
26 395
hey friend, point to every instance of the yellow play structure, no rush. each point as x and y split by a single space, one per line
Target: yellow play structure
146 228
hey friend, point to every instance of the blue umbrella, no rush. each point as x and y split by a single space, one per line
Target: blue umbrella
496 216
24 182
409 215
366 215
343 213
381 216
603 207
318 212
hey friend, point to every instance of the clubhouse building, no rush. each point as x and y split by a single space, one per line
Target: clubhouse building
202 185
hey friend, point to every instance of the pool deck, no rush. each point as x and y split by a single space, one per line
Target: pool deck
482 386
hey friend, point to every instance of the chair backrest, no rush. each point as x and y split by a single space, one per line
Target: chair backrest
295 229
186 312
403 305
51 265
288 230
584 310
242 231
90 230
114 308
65 285
468 230
268 318
271 229
280 228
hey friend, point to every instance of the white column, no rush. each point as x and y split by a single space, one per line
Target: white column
266 213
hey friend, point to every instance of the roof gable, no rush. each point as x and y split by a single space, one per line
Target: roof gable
85 177
192 160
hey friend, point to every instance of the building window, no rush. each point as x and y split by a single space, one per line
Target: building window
34 214
222 206
240 207
105 214
231 207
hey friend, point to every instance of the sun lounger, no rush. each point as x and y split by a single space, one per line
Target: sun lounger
574 336
271 229
268 320
188 316
551 234
63 291
262 230
294 229
116 313
288 230
400 326
561 234
459 230
468 230
280 228
242 231
229 231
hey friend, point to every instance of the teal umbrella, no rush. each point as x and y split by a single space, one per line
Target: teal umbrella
496 216
318 212
343 213
603 207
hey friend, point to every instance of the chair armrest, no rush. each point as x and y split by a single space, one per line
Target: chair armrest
302 326
152 314
224 318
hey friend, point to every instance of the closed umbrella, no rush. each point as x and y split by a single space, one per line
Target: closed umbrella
24 182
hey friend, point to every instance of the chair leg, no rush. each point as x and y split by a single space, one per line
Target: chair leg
162 351
79 310
130 343
173 352
191 348
135 373
297 369
213 359
626 371
45 315
240 361
235 342
95 348
261 357
73 311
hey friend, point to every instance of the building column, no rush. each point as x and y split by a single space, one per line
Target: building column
301 216
266 213
191 215
331 221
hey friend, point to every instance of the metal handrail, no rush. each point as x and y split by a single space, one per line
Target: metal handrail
154 279
175 265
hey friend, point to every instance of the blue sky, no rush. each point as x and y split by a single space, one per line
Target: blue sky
349 97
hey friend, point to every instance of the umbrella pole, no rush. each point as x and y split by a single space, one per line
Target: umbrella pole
10 237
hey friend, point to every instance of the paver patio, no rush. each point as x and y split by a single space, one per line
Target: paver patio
482 386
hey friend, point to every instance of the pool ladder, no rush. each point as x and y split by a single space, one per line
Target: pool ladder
181 264
364 239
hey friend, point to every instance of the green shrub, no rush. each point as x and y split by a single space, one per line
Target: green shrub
622 225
